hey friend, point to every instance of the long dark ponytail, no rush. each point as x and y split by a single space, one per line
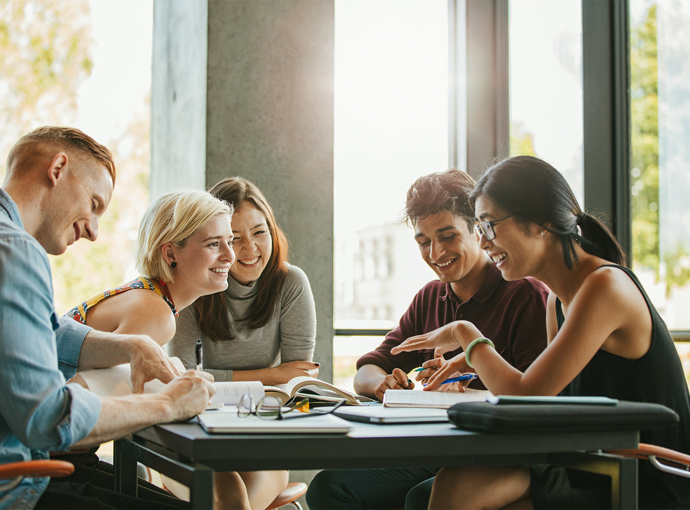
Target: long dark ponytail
533 191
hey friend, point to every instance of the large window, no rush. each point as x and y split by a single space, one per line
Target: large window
545 48
660 182
391 126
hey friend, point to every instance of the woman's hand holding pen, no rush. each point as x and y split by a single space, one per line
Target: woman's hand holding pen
434 371
453 367
428 369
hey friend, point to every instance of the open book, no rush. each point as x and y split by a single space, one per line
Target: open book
117 382
437 399
314 389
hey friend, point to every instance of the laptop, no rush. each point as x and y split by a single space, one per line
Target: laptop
218 422
389 415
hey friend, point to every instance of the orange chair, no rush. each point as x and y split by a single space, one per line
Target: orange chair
15 472
664 459
289 496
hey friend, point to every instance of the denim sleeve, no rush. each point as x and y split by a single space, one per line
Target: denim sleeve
37 407
69 336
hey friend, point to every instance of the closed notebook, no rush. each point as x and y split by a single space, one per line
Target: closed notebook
434 399
392 415
218 422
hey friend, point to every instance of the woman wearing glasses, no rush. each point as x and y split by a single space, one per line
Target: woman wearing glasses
263 327
532 225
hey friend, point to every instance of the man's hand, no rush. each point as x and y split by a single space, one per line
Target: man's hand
189 394
184 397
398 380
149 361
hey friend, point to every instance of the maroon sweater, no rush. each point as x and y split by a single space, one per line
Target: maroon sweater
511 314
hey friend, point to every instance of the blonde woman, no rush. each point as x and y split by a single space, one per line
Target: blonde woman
184 251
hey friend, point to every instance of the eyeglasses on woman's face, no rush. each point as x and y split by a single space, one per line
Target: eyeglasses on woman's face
486 228
271 408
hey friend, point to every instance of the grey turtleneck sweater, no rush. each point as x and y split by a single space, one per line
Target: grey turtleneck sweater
289 335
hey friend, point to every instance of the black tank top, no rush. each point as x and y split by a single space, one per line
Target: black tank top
655 377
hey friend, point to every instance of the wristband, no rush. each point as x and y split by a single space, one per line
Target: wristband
471 346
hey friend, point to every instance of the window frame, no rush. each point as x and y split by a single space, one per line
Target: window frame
480 106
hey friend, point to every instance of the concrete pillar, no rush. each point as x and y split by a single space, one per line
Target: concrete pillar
245 87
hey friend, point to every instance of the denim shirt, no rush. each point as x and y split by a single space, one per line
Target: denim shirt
38 411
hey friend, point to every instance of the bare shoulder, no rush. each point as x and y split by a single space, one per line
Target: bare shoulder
610 289
137 311
611 282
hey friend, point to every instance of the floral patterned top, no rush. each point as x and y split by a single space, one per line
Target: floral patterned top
78 313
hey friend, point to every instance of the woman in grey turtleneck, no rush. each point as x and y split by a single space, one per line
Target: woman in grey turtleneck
263 327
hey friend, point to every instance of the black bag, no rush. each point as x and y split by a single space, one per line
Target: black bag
544 418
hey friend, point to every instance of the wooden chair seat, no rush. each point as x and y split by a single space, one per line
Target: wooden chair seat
292 492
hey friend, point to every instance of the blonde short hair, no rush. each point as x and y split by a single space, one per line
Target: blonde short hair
173 218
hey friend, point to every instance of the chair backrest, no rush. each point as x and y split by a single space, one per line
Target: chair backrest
664 459
15 472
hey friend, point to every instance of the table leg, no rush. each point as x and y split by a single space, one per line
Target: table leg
622 470
201 489
624 487
198 477
125 468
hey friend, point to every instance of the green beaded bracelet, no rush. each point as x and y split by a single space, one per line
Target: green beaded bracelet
471 346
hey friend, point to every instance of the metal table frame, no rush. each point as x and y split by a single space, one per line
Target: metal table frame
186 453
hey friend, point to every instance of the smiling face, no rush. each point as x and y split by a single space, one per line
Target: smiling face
516 250
253 244
76 203
451 250
204 261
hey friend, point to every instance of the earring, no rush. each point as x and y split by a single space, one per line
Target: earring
543 234
173 265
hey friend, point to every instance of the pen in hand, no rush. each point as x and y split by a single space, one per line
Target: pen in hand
463 377
199 355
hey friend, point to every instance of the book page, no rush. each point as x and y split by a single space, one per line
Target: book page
117 381
316 385
277 391
230 392
438 399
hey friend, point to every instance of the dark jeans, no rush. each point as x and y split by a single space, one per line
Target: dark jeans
371 488
92 486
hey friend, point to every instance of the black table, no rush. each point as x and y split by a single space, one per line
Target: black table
186 453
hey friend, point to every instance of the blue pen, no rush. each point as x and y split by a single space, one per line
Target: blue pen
463 377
